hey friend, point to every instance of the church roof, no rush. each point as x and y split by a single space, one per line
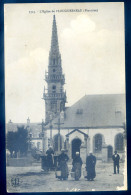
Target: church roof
91 111
95 111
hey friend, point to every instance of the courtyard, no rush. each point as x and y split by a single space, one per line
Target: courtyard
33 179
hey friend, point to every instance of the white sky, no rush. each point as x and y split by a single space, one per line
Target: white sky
91 46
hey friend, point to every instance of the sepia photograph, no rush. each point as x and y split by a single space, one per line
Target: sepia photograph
65 98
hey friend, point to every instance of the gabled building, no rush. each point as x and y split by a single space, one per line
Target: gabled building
96 123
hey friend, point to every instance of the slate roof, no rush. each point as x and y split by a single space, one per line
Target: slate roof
95 111
91 111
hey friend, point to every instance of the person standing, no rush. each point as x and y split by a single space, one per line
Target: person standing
49 158
62 165
90 166
77 164
116 158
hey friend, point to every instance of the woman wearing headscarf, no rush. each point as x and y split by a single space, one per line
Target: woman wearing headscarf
77 164
62 165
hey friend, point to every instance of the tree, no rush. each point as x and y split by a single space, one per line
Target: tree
22 140
18 141
12 142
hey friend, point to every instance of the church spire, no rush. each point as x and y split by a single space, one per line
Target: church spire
54 40
54 56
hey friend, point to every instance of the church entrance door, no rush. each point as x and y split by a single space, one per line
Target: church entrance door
76 143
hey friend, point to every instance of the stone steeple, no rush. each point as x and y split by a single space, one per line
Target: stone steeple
54 95
54 40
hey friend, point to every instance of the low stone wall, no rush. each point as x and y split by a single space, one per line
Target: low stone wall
19 162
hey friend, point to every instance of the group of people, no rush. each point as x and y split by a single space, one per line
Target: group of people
76 166
62 166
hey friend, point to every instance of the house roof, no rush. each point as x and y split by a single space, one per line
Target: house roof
34 128
95 111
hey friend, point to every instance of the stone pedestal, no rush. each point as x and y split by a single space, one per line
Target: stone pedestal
104 153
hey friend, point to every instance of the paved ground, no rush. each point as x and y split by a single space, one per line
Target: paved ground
32 179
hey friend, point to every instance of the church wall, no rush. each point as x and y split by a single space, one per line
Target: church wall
108 134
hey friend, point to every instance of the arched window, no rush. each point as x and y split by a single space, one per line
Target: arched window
56 140
119 142
97 143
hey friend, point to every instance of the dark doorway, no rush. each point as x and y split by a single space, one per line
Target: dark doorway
110 152
76 143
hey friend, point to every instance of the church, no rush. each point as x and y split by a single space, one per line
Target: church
94 123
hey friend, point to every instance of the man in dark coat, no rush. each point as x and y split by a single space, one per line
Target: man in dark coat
77 163
116 158
62 164
49 158
90 166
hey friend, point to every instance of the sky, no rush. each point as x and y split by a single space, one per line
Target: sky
91 44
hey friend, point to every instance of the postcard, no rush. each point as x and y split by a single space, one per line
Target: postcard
65 97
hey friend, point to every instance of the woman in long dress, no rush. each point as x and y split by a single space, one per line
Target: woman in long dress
62 165
77 164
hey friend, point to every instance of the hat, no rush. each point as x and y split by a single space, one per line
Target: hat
77 153
90 152
62 150
50 147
